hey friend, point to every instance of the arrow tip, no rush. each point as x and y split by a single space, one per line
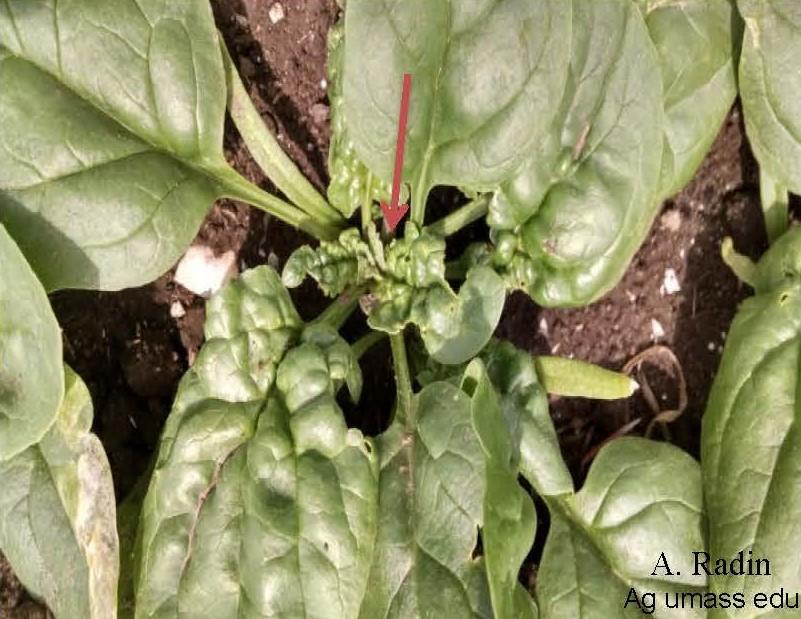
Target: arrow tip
393 214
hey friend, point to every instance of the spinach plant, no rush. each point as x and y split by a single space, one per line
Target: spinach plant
564 122
262 501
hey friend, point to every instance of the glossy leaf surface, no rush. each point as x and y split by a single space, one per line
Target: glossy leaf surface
695 40
104 182
484 78
584 201
262 501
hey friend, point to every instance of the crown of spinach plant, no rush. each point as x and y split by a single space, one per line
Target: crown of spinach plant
565 123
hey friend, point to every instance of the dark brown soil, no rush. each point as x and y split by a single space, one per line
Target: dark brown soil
132 352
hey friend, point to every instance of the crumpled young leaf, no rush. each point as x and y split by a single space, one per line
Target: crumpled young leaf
408 286
57 514
105 180
750 437
582 204
769 86
695 40
31 370
262 502
335 265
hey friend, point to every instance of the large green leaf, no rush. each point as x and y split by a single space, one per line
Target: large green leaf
485 79
750 436
57 515
695 41
31 374
585 199
111 125
641 499
262 501
770 87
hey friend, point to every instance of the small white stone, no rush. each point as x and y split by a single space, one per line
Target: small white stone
276 12
671 220
657 330
177 310
203 273
711 346
323 84
670 283
543 326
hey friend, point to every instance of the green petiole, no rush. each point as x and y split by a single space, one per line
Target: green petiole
266 151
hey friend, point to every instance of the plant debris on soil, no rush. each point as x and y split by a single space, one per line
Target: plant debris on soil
132 347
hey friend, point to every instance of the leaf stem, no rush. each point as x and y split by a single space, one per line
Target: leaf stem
461 217
418 198
775 205
266 151
366 342
742 266
237 187
341 308
403 380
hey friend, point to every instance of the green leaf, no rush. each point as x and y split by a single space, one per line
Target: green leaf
525 408
481 297
262 501
431 497
31 373
508 512
694 40
640 499
485 77
750 436
584 201
57 515
106 179
771 96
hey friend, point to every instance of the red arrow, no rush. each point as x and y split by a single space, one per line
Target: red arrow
394 212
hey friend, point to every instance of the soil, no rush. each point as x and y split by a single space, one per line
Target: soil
132 352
